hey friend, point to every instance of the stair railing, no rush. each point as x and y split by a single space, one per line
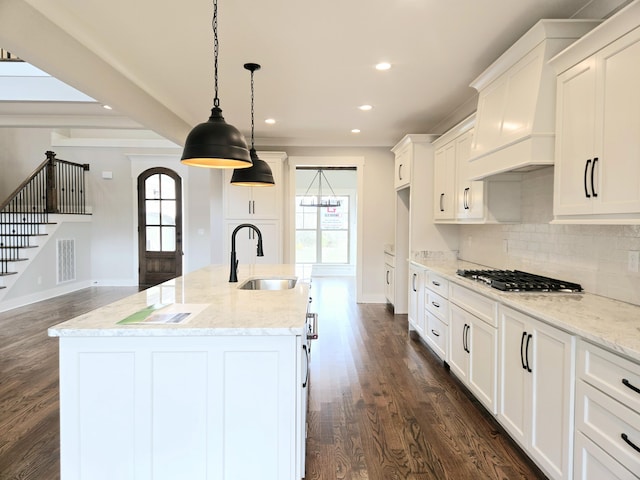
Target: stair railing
56 186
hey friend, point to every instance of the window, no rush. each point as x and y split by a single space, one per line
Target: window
160 207
322 234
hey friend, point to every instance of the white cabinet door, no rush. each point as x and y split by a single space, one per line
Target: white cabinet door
537 402
483 350
388 283
416 297
402 175
618 167
458 342
575 144
470 195
515 384
444 177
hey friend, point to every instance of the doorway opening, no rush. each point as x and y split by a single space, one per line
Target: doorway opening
159 226
326 220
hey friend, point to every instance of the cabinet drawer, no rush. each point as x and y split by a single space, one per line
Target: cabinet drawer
614 375
437 305
436 335
605 421
593 463
438 284
482 307
389 259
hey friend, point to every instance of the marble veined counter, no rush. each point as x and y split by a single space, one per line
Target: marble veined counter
215 307
609 323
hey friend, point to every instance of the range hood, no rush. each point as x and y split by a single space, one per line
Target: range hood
515 120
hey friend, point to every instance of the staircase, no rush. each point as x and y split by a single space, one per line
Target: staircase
56 186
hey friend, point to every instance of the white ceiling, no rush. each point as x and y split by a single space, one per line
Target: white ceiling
152 60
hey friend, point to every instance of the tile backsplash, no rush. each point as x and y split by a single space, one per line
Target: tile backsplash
596 256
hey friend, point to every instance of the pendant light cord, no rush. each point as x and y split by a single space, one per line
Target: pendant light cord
214 24
252 124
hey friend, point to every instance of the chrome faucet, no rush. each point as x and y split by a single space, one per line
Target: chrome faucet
233 274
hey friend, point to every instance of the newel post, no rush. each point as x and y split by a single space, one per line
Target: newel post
51 189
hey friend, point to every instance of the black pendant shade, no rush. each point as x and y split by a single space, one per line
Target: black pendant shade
257 175
216 144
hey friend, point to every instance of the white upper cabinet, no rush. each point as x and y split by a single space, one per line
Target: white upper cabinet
516 102
444 182
597 174
457 198
407 151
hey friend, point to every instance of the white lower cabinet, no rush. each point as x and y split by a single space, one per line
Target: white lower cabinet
436 314
416 298
536 389
389 272
593 463
473 344
607 415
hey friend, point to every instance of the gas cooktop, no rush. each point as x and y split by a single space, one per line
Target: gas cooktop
517 281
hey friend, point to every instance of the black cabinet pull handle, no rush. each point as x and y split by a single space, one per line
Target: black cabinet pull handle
593 169
435 304
437 284
400 172
414 282
529 337
629 442
441 202
435 333
466 198
524 365
586 169
306 352
628 384
388 277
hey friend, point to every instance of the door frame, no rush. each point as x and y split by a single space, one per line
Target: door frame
290 227
141 212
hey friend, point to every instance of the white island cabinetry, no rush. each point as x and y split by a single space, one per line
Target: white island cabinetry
189 400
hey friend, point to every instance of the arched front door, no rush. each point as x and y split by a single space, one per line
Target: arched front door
159 226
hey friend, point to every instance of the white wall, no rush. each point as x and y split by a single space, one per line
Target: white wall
113 259
593 255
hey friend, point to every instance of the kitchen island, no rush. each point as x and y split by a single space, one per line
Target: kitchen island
192 379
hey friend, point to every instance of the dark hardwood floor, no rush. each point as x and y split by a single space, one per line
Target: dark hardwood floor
381 405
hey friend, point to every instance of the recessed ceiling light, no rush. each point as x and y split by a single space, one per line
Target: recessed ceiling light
355 130
270 121
107 107
383 66
365 108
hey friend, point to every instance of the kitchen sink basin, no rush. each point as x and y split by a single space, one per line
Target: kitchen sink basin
268 283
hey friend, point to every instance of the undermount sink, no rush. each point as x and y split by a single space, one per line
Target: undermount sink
268 283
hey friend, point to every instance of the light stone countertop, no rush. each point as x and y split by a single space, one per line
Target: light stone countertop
606 322
225 309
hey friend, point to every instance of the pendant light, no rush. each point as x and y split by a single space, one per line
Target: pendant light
215 143
259 174
316 200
